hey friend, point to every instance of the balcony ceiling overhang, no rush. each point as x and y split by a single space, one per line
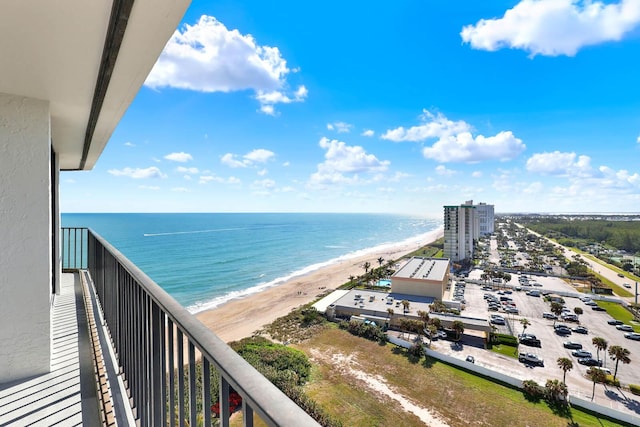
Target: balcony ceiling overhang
87 58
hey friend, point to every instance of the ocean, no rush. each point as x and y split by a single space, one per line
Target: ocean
206 259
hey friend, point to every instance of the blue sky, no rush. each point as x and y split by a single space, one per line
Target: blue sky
399 107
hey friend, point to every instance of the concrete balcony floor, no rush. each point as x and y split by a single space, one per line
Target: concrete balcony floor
66 395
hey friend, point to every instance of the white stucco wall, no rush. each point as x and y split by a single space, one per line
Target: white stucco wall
25 233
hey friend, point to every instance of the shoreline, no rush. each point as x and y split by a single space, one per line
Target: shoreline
241 317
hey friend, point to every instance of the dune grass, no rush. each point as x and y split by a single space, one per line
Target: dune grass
457 396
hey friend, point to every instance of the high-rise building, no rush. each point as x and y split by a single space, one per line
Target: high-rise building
486 218
463 225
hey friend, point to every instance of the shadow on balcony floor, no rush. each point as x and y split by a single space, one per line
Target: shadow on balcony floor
66 395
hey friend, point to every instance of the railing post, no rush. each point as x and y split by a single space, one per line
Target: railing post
224 402
193 412
157 371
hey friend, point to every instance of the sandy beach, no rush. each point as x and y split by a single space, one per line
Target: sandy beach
240 318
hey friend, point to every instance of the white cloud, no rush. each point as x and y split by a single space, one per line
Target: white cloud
263 172
253 157
269 99
208 57
149 187
137 173
191 171
341 159
129 144
264 184
476 174
286 164
433 126
205 179
443 171
554 27
187 177
561 164
181 190
259 155
181 157
464 147
367 132
638 139
340 127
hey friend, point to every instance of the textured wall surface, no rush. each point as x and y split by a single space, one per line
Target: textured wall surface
25 233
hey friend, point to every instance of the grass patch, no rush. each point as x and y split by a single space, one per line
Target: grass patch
505 350
618 290
458 397
618 312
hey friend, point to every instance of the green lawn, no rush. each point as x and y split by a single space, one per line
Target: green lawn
619 312
505 350
618 290
459 397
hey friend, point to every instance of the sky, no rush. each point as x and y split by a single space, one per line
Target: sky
381 107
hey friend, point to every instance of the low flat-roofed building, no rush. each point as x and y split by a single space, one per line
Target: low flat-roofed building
375 305
426 277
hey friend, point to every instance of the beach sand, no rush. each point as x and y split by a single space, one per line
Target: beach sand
241 317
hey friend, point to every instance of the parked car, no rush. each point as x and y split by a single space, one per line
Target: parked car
626 328
632 336
591 303
581 353
614 322
530 358
572 345
589 361
563 331
470 359
580 330
626 285
548 315
498 321
529 339
597 308
620 275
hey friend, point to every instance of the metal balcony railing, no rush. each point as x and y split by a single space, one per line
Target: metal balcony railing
152 335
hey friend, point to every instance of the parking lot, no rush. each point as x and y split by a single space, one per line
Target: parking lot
532 308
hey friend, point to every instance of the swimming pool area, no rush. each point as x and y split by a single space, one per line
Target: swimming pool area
384 282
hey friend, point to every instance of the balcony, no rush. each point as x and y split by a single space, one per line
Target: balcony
121 341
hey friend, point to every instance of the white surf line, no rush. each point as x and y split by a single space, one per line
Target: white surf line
190 232
378 384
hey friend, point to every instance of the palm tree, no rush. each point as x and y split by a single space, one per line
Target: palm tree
424 316
597 376
600 343
380 261
619 354
366 266
390 312
556 308
432 329
351 279
405 304
458 328
556 390
566 365
524 322
435 322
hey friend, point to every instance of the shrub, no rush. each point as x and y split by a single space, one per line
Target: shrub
532 390
612 382
635 389
370 332
505 339
416 350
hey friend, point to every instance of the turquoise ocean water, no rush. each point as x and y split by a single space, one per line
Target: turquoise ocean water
204 260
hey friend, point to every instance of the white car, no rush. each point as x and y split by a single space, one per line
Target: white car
632 336
626 328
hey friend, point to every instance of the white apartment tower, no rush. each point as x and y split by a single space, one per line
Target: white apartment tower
485 218
463 225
